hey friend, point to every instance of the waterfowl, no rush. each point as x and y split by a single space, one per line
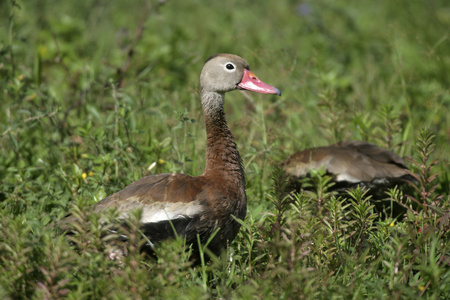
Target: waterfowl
350 164
202 204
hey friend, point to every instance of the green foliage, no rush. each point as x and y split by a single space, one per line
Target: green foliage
96 94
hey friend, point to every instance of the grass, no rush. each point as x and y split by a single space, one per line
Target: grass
95 95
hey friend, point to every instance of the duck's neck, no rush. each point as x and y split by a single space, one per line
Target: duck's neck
222 157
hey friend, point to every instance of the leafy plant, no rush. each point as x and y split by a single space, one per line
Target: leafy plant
95 95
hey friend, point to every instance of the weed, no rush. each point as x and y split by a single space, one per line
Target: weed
93 96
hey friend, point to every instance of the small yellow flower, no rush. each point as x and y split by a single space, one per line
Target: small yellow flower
91 173
20 77
42 50
160 161
392 224
421 287
84 155
31 97
84 175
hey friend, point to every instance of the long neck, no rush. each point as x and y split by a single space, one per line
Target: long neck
222 156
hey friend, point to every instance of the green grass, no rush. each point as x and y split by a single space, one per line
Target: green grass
95 92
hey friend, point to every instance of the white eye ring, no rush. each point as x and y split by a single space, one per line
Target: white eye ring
229 67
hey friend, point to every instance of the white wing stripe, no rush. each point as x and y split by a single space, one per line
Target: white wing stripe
170 211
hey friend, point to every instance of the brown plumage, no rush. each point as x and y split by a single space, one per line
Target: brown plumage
350 164
202 204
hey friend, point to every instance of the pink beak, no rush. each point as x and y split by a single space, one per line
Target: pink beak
252 83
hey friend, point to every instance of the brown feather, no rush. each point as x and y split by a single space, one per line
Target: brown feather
195 205
359 161
351 163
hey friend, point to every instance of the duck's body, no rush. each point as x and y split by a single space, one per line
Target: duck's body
351 163
192 205
198 205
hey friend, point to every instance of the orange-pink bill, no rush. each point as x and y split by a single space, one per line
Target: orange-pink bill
252 83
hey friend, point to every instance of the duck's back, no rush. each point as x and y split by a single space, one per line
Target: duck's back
351 163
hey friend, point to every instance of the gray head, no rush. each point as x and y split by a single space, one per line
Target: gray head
226 72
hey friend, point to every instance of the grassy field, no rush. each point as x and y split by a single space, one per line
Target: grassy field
96 94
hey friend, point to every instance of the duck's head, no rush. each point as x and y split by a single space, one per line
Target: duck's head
226 72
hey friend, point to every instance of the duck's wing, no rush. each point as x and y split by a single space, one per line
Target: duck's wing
163 197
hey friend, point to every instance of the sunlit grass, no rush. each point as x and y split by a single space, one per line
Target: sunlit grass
96 94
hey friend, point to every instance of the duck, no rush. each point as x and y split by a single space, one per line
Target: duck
351 164
177 204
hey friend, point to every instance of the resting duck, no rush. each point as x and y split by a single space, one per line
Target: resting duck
197 205
351 163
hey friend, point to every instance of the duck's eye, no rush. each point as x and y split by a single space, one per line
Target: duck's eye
230 67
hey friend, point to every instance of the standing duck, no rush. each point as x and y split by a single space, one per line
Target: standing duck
350 164
203 204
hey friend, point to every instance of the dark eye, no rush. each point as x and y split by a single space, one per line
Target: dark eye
229 66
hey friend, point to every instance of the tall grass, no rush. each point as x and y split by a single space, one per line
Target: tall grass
96 94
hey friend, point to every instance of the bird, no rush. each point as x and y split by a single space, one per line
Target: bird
350 164
176 204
